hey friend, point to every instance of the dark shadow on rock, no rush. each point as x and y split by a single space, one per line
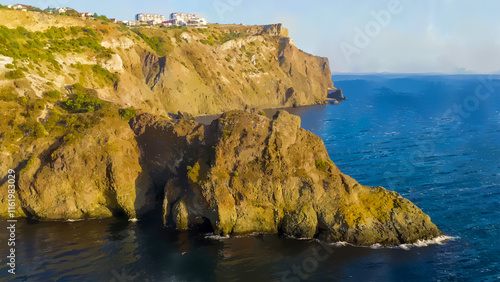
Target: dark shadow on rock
165 154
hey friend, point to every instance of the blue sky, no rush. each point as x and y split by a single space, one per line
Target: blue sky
358 36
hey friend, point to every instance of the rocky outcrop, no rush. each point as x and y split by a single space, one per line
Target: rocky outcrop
246 173
275 30
337 95
98 175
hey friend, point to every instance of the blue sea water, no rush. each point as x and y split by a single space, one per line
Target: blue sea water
434 139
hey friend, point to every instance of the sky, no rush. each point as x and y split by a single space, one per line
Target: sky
358 36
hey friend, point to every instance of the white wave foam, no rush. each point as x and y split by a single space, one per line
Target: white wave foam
299 238
74 220
336 244
419 244
341 244
133 219
424 243
216 237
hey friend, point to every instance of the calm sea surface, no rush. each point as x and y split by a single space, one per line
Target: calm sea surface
434 139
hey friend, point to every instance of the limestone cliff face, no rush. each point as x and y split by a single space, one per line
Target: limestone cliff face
261 69
246 173
161 71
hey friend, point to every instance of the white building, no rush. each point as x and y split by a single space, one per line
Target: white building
63 9
167 23
86 15
187 19
131 23
19 7
153 18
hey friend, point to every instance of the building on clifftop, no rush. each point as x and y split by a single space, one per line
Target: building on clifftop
187 19
21 7
152 19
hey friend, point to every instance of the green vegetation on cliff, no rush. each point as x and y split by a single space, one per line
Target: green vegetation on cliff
15 74
159 44
82 103
216 38
21 44
127 113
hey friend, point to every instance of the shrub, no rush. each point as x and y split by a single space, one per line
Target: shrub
32 129
82 103
127 114
210 41
101 17
69 138
23 100
262 113
226 37
123 28
15 74
52 119
106 53
8 94
108 77
226 133
54 94
9 66
89 31
323 165
161 46
31 160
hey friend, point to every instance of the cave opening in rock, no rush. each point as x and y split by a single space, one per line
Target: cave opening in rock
202 225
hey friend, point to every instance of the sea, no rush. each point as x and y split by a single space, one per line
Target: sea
435 139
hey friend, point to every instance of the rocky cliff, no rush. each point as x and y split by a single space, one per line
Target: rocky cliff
246 173
243 173
160 70
96 174
69 131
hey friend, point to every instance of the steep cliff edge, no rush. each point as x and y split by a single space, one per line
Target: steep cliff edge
160 70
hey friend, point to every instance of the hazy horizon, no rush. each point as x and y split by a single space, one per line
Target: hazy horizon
360 36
